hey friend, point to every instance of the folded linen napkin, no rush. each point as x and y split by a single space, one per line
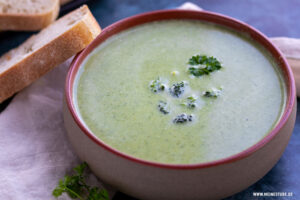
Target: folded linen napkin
34 150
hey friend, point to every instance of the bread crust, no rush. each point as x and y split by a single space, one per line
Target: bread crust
47 57
62 2
28 22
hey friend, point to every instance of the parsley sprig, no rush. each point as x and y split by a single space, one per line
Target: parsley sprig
76 187
203 65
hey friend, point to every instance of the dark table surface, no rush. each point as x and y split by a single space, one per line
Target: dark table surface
272 17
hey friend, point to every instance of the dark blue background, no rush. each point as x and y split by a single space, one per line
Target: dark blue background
272 17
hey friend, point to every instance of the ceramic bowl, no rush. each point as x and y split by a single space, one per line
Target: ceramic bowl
151 180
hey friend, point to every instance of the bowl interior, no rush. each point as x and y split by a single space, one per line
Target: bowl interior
195 15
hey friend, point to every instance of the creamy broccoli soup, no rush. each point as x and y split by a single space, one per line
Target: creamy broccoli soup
179 91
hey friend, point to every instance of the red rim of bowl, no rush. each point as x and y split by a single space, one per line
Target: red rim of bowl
184 14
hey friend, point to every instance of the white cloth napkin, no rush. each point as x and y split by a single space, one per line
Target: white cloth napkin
34 150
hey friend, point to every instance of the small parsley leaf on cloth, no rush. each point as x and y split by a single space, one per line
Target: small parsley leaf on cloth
76 187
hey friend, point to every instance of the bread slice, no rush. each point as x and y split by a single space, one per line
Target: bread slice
45 50
27 15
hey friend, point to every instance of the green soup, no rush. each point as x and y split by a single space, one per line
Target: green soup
114 98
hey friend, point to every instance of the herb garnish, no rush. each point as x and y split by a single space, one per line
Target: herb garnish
203 65
76 188
183 118
212 93
157 85
199 65
190 102
163 107
177 89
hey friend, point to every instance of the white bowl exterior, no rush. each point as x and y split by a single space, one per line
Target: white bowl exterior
151 182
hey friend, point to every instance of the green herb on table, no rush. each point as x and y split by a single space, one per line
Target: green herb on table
203 65
190 102
163 107
76 187
182 118
214 93
177 89
157 85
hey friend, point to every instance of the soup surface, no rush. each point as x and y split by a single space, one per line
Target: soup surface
233 107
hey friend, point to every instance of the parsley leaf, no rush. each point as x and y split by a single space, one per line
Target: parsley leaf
203 65
76 188
97 194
